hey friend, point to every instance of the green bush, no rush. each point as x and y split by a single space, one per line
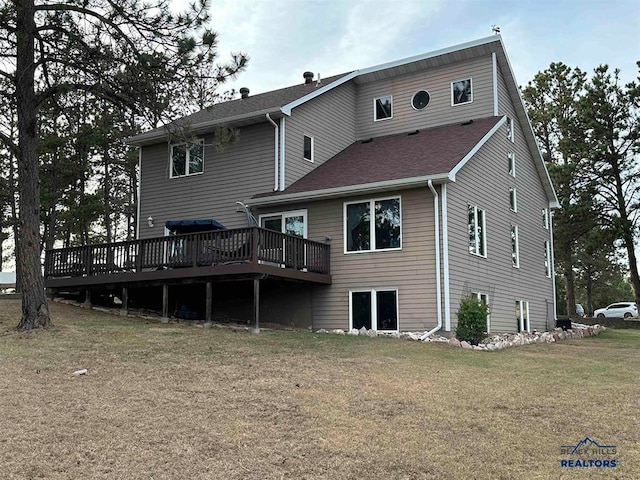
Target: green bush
472 320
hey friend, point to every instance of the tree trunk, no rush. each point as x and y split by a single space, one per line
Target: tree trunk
35 311
14 224
589 287
571 290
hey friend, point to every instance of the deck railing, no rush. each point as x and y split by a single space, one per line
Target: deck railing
220 247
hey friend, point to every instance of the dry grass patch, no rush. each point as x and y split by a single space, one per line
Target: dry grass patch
173 401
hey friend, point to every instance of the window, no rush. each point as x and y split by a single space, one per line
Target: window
512 164
461 92
484 299
513 199
420 99
187 159
522 316
372 225
374 310
510 132
545 218
477 234
383 108
547 258
293 223
515 248
308 148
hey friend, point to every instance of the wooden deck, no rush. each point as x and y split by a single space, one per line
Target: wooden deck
220 255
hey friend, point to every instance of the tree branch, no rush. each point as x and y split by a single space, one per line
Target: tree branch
10 144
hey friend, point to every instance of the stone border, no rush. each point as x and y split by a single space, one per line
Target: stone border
492 343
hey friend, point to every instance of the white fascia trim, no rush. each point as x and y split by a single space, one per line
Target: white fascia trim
147 137
494 63
286 109
474 150
139 188
365 188
445 258
553 203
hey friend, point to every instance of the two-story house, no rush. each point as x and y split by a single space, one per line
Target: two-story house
419 180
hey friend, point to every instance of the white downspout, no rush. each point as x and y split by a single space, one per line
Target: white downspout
445 259
275 161
436 219
139 188
553 270
282 150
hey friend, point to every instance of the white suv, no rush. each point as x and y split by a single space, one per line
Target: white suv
618 310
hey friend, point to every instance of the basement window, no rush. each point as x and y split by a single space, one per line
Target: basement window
484 299
383 108
374 310
522 316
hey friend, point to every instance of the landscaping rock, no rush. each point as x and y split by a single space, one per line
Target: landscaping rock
322 330
338 332
372 333
454 342
353 331
465 345
362 331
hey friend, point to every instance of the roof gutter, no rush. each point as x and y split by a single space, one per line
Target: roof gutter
275 158
402 183
436 220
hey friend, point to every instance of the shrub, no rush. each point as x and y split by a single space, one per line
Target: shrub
472 320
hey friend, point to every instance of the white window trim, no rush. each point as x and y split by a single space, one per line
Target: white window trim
479 296
484 230
514 207
290 213
545 216
187 154
414 95
511 129
524 307
512 160
547 251
374 108
374 306
461 80
372 237
517 245
310 160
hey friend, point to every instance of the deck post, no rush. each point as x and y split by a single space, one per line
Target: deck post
256 305
165 303
87 299
209 301
125 302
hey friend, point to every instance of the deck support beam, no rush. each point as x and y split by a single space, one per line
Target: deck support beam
256 305
209 306
125 302
165 302
87 298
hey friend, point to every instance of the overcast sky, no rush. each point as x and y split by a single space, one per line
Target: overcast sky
287 37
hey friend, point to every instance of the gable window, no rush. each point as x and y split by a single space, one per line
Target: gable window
420 99
545 218
484 299
372 225
515 247
461 92
510 132
547 258
383 108
308 148
512 164
477 231
373 309
187 159
522 316
513 199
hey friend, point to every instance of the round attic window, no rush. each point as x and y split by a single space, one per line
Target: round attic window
420 99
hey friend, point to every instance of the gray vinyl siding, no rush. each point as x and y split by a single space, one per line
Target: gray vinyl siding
484 181
330 120
411 270
242 170
437 82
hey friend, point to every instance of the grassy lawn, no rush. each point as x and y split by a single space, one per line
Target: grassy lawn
175 401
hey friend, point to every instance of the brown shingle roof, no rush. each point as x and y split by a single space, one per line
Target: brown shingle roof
416 154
